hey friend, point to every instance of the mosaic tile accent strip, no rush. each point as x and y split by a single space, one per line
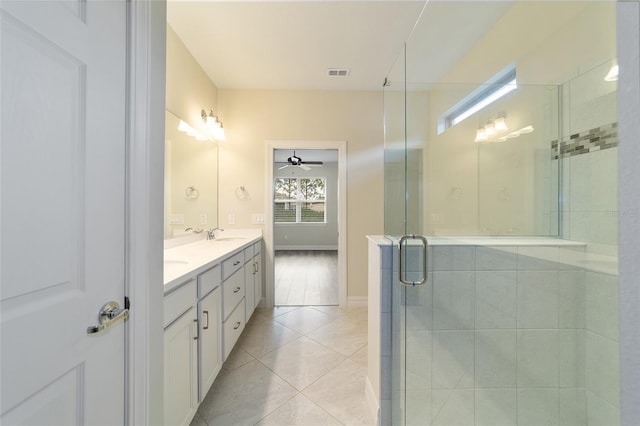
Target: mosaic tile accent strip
596 139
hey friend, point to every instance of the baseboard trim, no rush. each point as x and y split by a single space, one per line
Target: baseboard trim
357 301
372 400
312 248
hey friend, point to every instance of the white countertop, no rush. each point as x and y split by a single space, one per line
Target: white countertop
197 256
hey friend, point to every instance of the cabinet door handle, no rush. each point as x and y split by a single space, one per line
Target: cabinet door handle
237 325
197 330
236 263
206 327
255 268
236 290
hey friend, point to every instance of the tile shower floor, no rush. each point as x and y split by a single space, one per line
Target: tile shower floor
301 366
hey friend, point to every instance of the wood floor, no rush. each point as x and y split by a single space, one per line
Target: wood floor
307 277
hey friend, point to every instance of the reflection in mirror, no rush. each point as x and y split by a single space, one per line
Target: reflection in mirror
191 181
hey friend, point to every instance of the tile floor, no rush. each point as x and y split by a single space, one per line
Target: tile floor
306 277
302 366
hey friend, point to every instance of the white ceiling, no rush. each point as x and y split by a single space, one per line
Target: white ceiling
289 45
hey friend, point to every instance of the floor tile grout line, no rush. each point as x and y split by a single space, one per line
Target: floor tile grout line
301 391
276 409
352 321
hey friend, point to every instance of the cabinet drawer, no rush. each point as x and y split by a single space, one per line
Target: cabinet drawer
232 292
208 280
179 301
232 264
257 248
233 327
248 254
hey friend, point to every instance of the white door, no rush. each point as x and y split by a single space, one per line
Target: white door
62 216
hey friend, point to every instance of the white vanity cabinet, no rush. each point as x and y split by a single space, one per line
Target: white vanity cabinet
253 277
210 329
233 301
180 355
205 312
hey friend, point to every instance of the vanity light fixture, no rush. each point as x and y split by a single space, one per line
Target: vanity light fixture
185 128
481 135
500 124
492 129
213 125
489 128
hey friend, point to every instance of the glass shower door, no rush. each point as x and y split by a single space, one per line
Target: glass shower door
403 226
516 323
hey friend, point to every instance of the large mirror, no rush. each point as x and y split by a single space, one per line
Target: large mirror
191 181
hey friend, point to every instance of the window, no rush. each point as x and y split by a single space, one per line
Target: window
492 90
299 200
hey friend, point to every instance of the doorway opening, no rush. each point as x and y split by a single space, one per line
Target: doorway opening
305 235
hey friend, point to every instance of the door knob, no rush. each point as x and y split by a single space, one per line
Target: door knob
109 314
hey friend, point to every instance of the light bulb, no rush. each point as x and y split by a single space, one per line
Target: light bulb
489 129
183 127
218 134
500 125
212 122
481 135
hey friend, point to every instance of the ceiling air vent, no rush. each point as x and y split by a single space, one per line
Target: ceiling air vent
338 72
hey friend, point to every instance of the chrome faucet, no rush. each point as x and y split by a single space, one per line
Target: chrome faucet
211 233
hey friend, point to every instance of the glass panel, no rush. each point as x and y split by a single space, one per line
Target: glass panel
517 323
284 212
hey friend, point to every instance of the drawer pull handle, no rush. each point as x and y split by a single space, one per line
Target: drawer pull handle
206 327
197 330
236 290
237 325
236 263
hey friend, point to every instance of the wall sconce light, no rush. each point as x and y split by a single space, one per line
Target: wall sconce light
481 135
185 128
612 75
500 124
495 129
492 128
213 125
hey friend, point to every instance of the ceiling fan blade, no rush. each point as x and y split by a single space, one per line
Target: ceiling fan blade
304 167
313 163
283 167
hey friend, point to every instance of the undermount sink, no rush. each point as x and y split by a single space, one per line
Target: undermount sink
175 262
229 239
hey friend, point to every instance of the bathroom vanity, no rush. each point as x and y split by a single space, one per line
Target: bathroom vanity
211 288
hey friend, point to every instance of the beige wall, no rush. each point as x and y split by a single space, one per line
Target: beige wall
551 42
252 117
189 90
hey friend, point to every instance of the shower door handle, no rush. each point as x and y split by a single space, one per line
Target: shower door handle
401 272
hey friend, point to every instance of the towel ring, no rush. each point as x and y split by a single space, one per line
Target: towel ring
191 192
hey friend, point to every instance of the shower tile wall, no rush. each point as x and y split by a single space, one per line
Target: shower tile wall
588 155
509 335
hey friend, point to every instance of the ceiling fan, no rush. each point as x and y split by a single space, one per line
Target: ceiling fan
297 161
